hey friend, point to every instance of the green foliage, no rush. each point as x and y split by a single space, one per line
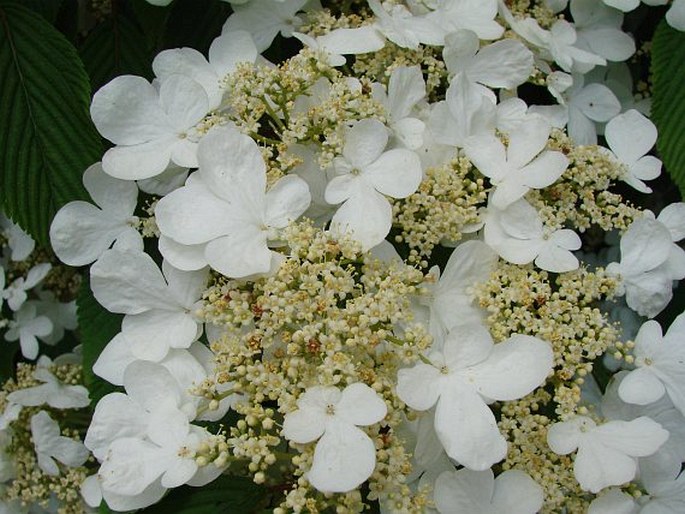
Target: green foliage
98 326
115 47
46 139
225 494
668 106
195 23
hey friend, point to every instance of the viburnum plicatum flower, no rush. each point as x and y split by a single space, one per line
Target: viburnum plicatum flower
81 232
158 307
20 243
51 445
630 136
167 451
27 326
16 292
607 453
660 365
51 392
523 165
151 125
225 52
223 216
448 300
465 490
468 372
406 88
504 64
365 173
518 235
344 456
650 262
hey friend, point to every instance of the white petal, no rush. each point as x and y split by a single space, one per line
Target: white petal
183 257
141 161
517 493
597 102
641 387
673 217
154 332
80 233
639 437
418 386
128 282
343 459
184 101
359 40
365 142
597 466
464 491
131 466
365 217
116 416
151 385
504 64
396 173
630 136
241 254
118 197
127 111
194 214
467 428
514 368
406 88
360 405
303 425
564 437
286 201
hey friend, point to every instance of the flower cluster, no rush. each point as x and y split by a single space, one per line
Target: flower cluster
378 271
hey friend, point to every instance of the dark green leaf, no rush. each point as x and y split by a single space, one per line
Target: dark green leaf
668 104
48 9
115 47
98 326
152 18
47 139
195 23
225 494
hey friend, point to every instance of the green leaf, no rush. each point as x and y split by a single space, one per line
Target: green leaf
115 47
195 23
46 8
225 494
668 102
98 326
47 139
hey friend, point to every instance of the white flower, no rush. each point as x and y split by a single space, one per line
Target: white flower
264 19
660 365
449 302
465 490
630 136
650 262
15 293
159 308
27 326
168 452
149 387
51 392
523 165
599 30
365 172
465 112
607 453
518 235
225 52
81 232
476 15
223 213
613 501
50 445
404 29
151 125
468 372
406 88
19 241
344 456
504 64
